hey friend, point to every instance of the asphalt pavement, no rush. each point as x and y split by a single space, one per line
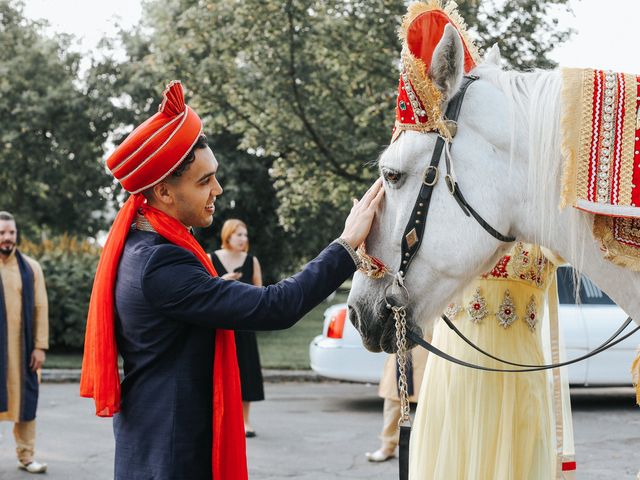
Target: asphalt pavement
313 431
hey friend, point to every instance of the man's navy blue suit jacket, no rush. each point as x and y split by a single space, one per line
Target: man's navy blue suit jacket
168 307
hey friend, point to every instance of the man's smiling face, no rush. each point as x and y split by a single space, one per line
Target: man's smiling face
194 192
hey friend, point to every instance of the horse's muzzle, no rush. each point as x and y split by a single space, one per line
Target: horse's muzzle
377 327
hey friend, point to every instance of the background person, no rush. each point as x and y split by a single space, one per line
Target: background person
233 262
24 337
388 390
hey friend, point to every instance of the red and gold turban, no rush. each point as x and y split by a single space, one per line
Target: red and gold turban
148 155
419 102
154 149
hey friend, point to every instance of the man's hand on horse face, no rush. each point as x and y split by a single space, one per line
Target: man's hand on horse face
360 219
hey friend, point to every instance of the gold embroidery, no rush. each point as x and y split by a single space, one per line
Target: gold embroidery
531 316
619 249
627 154
477 307
507 311
452 311
411 238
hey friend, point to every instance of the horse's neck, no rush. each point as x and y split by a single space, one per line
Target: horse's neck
567 232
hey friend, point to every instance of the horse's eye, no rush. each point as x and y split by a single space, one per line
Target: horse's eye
391 176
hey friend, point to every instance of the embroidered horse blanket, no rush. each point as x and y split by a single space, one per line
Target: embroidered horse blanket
601 149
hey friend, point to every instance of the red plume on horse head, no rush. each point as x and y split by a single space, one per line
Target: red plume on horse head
418 105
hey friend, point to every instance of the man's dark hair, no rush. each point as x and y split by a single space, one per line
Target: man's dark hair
201 142
7 216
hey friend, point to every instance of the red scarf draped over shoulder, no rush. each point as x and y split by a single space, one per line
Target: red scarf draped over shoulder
100 379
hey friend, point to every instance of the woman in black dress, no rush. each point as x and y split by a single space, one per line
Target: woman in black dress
233 262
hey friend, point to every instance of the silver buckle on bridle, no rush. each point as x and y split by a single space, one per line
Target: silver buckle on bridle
435 178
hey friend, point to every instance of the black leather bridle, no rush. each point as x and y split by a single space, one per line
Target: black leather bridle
414 234
414 231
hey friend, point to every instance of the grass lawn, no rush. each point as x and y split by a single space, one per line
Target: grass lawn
286 349
63 360
289 349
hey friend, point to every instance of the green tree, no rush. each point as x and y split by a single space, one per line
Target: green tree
51 132
306 88
249 193
525 30
69 264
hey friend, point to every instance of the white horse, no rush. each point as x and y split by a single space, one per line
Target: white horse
508 163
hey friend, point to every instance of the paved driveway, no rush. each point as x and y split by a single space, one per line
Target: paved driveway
314 431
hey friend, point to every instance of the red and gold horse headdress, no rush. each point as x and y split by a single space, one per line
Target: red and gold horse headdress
419 102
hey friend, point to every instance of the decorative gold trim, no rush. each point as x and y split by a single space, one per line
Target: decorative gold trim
586 131
451 10
477 307
531 314
371 266
506 313
143 224
424 87
628 141
452 311
428 94
411 238
612 249
575 135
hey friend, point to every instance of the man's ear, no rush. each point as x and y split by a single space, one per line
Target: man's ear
163 193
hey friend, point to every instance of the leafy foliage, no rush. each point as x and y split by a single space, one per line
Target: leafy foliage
51 132
525 30
302 89
68 264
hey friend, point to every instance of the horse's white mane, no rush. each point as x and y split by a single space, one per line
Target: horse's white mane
534 100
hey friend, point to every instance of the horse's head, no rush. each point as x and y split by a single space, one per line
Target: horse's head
455 247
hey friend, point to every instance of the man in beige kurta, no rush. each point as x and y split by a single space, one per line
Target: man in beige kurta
25 431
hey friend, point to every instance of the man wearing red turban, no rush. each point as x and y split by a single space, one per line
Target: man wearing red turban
157 301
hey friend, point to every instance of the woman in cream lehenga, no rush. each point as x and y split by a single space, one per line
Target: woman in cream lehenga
477 425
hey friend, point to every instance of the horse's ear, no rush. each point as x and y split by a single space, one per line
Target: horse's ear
493 57
447 64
